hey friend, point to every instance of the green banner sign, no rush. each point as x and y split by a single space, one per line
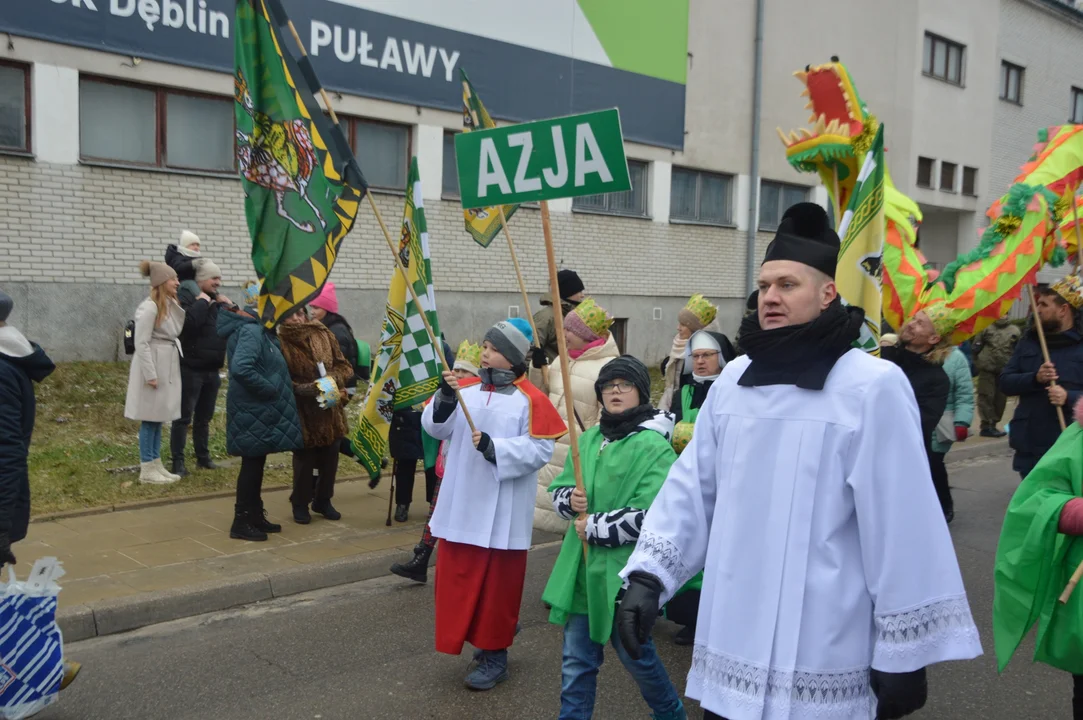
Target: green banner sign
544 160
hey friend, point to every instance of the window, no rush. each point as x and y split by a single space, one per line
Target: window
1011 82
947 176
382 150
925 172
1077 106
699 196
14 107
970 181
629 202
451 173
944 59
775 199
140 125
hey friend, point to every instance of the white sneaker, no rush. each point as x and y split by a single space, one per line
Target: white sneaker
163 472
149 474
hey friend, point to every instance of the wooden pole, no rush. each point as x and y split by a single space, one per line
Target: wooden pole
836 201
1075 229
391 498
562 348
522 289
1076 576
437 344
1045 348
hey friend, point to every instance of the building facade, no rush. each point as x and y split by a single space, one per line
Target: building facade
116 133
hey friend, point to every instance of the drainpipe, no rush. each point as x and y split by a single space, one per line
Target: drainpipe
754 164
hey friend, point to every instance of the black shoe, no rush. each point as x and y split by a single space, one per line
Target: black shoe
326 509
418 567
260 521
402 513
243 529
949 516
992 433
208 464
301 515
178 468
685 636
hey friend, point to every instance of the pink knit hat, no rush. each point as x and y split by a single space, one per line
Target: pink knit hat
575 325
327 299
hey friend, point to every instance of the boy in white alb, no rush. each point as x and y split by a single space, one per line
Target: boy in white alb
484 515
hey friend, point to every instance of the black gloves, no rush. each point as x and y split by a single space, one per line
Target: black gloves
898 694
445 389
485 443
538 358
638 611
6 557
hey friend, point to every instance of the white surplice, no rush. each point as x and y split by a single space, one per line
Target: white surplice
824 547
483 504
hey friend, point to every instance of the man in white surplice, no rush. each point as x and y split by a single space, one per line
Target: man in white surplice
830 580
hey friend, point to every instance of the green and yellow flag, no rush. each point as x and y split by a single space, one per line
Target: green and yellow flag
302 185
862 232
483 224
407 368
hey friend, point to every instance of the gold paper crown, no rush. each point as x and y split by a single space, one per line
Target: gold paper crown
943 322
469 352
1070 288
702 308
594 317
682 435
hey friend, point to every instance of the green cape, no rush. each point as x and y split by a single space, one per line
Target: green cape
626 473
1034 562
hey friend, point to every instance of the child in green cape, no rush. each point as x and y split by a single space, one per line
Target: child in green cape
624 460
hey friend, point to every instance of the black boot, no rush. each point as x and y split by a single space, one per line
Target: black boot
178 466
418 567
402 513
243 527
178 437
301 515
260 521
325 508
207 464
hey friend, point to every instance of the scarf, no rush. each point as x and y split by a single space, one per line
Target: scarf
1056 341
800 355
673 372
497 377
700 379
576 354
617 426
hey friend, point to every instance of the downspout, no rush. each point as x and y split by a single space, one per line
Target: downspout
754 163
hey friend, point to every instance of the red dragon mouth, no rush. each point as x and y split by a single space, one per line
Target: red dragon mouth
836 109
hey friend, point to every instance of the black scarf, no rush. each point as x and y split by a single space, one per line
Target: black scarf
1056 341
620 425
800 355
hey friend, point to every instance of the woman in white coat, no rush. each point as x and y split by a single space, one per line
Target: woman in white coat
154 378
590 347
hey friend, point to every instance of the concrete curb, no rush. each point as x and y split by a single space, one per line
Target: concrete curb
993 448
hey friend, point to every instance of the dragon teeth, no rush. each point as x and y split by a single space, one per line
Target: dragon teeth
782 136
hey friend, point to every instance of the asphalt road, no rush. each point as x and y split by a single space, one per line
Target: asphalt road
365 651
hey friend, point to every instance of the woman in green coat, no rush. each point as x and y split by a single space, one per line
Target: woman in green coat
624 461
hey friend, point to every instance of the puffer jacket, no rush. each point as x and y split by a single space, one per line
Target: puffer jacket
204 349
960 397
181 261
305 347
261 412
584 373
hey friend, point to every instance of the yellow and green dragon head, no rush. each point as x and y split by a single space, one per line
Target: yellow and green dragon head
841 132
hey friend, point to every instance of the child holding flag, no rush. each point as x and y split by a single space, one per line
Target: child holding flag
625 459
484 516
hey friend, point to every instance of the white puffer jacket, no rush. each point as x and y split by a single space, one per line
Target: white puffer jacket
584 372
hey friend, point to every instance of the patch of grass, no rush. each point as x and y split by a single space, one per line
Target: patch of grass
81 434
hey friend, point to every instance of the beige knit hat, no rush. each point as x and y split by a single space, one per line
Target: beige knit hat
205 270
158 272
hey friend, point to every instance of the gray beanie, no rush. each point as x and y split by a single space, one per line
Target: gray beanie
6 304
205 270
509 341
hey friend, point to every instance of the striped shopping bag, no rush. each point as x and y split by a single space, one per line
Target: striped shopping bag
31 647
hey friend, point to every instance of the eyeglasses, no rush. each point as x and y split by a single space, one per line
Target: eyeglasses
618 387
704 354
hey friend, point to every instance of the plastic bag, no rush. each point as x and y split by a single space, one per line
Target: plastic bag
31 646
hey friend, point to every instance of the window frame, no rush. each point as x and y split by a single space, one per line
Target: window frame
1077 95
28 148
954 177
934 39
725 222
645 214
760 226
1007 68
932 173
161 94
974 189
348 123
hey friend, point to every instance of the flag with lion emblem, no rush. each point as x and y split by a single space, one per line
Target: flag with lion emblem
483 224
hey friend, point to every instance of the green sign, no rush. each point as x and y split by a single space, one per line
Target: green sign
544 160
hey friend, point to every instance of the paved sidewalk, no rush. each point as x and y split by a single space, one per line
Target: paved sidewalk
118 554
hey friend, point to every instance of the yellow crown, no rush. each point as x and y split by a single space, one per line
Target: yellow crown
943 321
682 435
594 317
469 352
1070 288
702 308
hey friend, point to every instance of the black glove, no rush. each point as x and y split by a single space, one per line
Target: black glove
538 358
485 443
898 694
638 611
6 557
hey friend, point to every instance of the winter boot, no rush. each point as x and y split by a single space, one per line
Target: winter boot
243 527
325 508
301 515
685 636
207 464
178 468
148 474
418 567
260 521
402 513
162 471
492 668
677 714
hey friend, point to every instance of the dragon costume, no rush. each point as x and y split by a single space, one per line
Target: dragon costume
979 286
